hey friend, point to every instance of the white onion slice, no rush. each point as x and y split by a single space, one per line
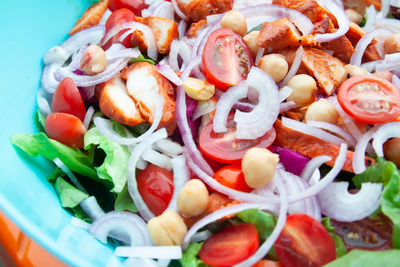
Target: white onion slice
119 51
135 262
105 126
164 10
150 252
79 223
156 158
169 147
181 177
295 66
396 81
333 129
256 123
385 132
225 104
88 117
312 166
260 54
286 106
200 236
307 129
70 175
371 17
385 8
284 93
166 71
47 80
393 24
92 208
105 17
337 203
179 49
56 54
342 19
182 27
359 151
390 63
42 99
178 11
132 184
203 108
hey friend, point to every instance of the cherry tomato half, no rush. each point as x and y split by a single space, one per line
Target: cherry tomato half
226 58
225 148
156 187
136 6
65 128
119 17
232 177
230 246
369 99
67 99
267 263
304 242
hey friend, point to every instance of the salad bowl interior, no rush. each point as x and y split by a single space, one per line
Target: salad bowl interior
29 29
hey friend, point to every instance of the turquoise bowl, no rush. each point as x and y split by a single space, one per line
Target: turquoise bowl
28 29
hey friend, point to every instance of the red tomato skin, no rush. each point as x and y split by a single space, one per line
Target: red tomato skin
156 187
65 128
67 99
304 242
267 263
232 177
231 73
118 17
230 246
136 6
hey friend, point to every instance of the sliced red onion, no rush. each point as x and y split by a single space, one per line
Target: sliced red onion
200 236
132 184
292 161
200 39
121 223
371 17
181 177
156 158
390 63
56 54
134 262
307 129
315 177
166 71
88 117
48 81
359 151
76 59
393 24
92 208
284 93
260 54
131 27
385 7
117 51
69 173
79 223
237 4
182 27
359 50
314 209
286 106
256 123
159 252
152 4
244 106
43 102
178 11
225 104
105 126
385 132
203 108
341 18
295 66
337 203
179 49
169 147
105 17
312 166
164 10
396 81
181 118
334 129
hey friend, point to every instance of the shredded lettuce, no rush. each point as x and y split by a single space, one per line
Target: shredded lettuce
70 197
190 258
124 201
339 244
356 258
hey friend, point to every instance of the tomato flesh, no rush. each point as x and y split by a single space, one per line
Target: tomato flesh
369 99
230 246
116 18
226 58
232 177
136 6
225 148
155 185
67 99
65 128
304 242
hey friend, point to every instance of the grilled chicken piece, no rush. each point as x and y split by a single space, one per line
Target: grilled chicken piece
327 70
279 34
116 104
143 83
90 17
197 10
195 28
309 8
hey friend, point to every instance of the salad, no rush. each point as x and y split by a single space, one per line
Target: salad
228 133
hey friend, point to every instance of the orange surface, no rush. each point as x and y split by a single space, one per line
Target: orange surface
21 249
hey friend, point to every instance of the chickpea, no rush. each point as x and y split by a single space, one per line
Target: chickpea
391 150
198 89
392 44
354 16
193 198
322 110
235 21
258 166
94 60
168 229
304 89
251 40
275 65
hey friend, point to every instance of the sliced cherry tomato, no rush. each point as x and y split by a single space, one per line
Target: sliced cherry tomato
267 263
304 242
226 58
225 148
116 18
232 177
67 99
65 128
369 99
367 234
156 187
230 246
136 6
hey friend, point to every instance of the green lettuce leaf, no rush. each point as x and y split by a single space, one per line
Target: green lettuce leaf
190 256
39 120
141 58
40 144
264 222
339 244
372 174
357 258
124 201
70 197
115 163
